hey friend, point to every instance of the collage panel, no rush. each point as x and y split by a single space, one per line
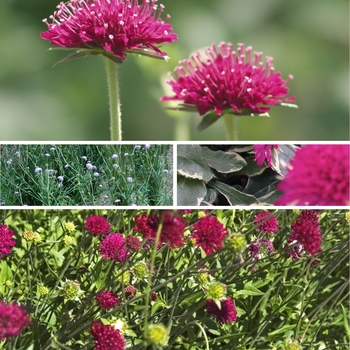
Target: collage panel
181 279
263 175
86 175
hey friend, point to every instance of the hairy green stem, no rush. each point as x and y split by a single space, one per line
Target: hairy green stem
231 127
114 102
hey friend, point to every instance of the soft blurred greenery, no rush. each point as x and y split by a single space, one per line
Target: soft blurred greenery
308 39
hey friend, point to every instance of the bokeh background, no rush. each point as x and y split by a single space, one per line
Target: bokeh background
308 39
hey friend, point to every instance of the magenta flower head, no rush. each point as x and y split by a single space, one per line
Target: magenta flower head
266 222
113 247
319 176
6 241
97 225
209 234
106 299
112 28
13 319
228 81
262 153
106 337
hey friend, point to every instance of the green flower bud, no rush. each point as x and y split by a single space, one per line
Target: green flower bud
157 335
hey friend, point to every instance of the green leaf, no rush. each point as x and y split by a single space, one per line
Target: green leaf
159 304
208 120
346 321
251 169
259 185
249 289
283 329
233 196
223 162
190 163
281 157
192 298
190 191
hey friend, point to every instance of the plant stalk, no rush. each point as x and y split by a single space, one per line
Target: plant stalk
114 101
231 127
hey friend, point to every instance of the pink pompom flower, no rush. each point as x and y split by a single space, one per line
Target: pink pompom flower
106 337
227 313
262 153
97 225
6 241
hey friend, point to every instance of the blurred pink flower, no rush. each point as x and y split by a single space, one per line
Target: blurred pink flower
226 79
110 26
106 337
6 241
226 314
13 319
263 152
209 234
319 175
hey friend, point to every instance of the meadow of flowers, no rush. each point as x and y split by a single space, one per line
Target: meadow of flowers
61 175
183 279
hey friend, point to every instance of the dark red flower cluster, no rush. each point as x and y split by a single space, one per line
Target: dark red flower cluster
116 26
6 241
106 337
113 247
13 319
306 231
97 225
226 79
172 229
226 314
107 299
133 243
209 234
263 152
266 222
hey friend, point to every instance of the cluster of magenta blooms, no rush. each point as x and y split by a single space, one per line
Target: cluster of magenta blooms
224 80
208 233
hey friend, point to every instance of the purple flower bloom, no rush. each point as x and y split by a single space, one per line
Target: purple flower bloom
110 27
13 319
113 247
260 245
263 152
84 158
6 241
129 179
319 175
97 225
114 156
96 174
37 169
60 178
227 80
147 146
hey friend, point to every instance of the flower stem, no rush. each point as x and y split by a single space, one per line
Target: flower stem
114 102
231 127
182 128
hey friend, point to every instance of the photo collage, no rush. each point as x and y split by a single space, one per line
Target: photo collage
165 183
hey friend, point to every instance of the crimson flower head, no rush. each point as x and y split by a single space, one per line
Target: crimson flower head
113 247
97 225
110 27
13 319
263 152
209 234
172 230
106 299
306 231
228 81
106 337
319 175
6 241
226 314
266 222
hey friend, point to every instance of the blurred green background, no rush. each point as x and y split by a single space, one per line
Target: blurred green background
308 39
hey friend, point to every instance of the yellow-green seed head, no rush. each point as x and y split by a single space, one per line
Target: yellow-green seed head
72 290
70 227
157 335
237 243
28 235
202 278
293 345
201 214
8 283
216 291
140 270
37 238
68 240
42 290
347 216
124 277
